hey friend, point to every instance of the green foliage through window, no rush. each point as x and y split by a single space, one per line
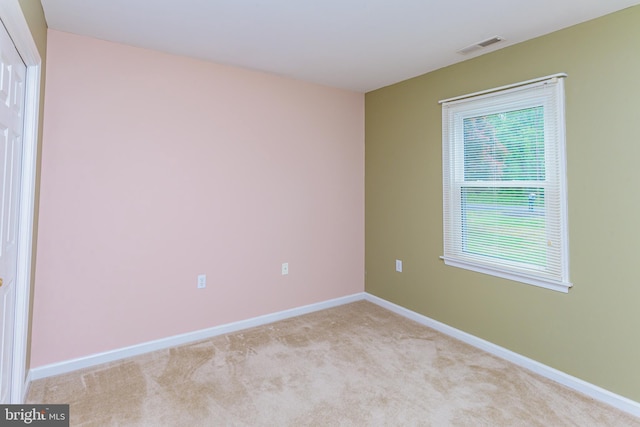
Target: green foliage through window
506 146
499 222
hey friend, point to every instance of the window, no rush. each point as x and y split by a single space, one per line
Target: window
504 183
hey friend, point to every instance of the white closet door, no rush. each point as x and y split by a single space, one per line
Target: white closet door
12 96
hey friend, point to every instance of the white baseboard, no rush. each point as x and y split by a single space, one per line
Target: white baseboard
591 390
135 350
624 404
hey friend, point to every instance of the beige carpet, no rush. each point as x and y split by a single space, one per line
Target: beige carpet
354 365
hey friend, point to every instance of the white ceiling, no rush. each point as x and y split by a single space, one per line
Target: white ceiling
352 44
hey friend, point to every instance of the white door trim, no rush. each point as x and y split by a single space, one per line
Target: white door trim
13 19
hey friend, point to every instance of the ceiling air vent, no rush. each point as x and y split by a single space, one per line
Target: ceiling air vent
480 45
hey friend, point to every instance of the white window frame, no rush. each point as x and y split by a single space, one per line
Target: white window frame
515 96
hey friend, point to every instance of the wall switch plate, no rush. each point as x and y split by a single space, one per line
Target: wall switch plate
399 266
285 268
202 281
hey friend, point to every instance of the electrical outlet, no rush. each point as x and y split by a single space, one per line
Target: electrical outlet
399 266
202 281
285 268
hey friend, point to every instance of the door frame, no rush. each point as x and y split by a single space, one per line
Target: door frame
13 19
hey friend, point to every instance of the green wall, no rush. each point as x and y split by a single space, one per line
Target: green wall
34 15
591 332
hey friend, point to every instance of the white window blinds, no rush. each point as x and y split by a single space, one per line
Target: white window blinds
504 185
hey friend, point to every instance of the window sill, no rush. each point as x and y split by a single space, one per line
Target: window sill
542 282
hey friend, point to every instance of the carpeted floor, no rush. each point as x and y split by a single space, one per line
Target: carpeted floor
354 365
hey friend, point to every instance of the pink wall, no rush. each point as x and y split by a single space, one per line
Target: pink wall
157 168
